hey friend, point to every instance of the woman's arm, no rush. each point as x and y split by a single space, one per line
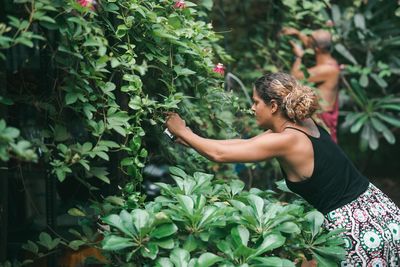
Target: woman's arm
239 141
224 142
250 150
262 147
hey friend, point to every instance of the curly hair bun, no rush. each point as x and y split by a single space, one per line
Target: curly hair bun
296 101
300 103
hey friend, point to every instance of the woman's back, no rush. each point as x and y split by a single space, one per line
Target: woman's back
333 180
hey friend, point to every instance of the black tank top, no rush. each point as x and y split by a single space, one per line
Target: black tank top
334 182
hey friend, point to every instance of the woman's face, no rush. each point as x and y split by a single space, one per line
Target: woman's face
261 111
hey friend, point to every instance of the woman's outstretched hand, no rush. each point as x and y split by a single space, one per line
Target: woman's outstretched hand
176 125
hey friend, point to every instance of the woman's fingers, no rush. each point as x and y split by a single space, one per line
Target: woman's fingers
170 115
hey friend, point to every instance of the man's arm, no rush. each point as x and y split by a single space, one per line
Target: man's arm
306 40
318 73
296 67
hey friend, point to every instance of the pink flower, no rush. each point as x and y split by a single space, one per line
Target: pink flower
342 66
87 3
330 23
219 69
180 4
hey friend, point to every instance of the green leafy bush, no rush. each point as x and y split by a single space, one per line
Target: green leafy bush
202 222
115 67
367 38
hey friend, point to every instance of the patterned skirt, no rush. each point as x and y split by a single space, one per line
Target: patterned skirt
372 222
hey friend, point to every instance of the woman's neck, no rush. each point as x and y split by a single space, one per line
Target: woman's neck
280 125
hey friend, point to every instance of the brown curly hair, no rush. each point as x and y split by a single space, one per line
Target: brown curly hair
296 101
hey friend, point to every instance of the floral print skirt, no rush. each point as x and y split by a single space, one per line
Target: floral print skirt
372 222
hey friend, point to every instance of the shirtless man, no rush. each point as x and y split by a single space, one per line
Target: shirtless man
325 73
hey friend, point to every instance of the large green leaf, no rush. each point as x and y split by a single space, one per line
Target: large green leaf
164 230
167 243
188 186
389 119
370 136
336 15
208 259
113 242
191 243
270 242
244 252
226 248
164 262
381 82
236 187
237 204
150 250
346 53
202 180
208 214
186 203
272 262
395 107
46 241
141 220
117 222
257 203
180 257
334 252
359 123
359 21
240 235
178 172
289 228
316 219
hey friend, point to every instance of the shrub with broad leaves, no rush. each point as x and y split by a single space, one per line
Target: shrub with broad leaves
206 222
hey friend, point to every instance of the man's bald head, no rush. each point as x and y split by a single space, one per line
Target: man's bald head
322 39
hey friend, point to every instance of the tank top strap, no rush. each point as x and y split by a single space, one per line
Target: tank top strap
304 132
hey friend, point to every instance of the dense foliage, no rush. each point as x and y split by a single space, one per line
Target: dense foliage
203 221
114 68
90 94
86 87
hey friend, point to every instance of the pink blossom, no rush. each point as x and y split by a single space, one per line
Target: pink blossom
342 66
219 68
180 4
330 23
87 3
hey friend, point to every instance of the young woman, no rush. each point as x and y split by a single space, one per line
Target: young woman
314 167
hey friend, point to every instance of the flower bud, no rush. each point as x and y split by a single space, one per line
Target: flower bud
219 68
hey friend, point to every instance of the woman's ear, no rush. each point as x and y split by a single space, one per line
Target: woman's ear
274 106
